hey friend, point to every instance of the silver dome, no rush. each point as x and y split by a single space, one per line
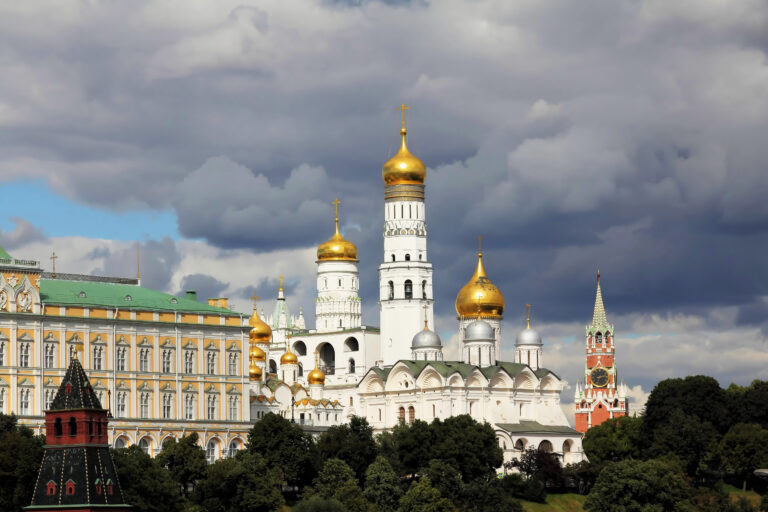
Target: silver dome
426 339
528 337
479 330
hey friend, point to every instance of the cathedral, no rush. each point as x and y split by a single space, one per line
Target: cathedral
166 366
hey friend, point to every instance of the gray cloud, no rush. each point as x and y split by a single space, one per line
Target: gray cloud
24 232
624 135
207 287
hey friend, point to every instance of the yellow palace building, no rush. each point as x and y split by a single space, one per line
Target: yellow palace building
166 365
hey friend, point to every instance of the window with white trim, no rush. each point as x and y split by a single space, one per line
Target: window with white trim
189 407
2 353
50 353
189 361
24 401
233 408
211 360
167 405
98 353
144 360
167 355
121 352
122 398
233 360
144 405
24 354
50 394
211 409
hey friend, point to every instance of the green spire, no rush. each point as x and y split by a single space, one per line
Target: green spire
4 255
599 320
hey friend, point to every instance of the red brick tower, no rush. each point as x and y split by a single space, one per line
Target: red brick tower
602 397
77 473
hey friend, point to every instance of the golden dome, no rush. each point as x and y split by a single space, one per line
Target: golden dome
254 372
337 247
316 376
256 354
260 331
289 358
404 168
480 297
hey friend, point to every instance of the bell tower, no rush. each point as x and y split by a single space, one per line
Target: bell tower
601 397
405 276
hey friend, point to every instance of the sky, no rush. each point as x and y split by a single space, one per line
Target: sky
620 135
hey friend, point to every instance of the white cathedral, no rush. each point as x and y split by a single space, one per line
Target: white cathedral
396 372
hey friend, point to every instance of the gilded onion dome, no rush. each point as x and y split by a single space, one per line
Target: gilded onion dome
254 372
256 354
337 248
316 376
289 358
480 297
260 331
404 168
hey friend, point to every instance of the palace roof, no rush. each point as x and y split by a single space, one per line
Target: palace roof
534 427
75 391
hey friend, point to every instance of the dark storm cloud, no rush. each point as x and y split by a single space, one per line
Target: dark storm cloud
24 232
207 287
624 135
158 261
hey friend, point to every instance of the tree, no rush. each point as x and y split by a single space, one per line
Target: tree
284 446
382 485
635 485
698 395
752 402
318 504
445 478
530 490
422 497
146 486
239 484
414 444
352 443
185 460
337 480
488 496
21 453
743 449
469 446
537 464
688 438
614 440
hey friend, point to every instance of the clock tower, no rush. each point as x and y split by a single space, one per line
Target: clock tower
601 397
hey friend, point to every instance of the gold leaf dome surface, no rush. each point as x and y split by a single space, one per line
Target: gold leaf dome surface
256 354
480 297
316 376
289 358
404 168
254 372
260 331
337 248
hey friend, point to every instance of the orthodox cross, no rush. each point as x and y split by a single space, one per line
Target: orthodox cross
527 316
336 204
255 298
402 108
281 282
53 261
425 317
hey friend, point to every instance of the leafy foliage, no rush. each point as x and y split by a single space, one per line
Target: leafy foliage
285 447
318 504
352 443
382 485
239 484
337 481
146 486
614 440
540 465
743 449
635 485
422 497
686 437
20 455
185 460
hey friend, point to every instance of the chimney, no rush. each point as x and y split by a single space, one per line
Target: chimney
213 302
191 294
224 302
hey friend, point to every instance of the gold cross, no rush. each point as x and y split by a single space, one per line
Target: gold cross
281 282
255 297
527 316
53 260
425 316
402 108
336 204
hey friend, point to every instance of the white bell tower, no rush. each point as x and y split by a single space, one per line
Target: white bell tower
405 276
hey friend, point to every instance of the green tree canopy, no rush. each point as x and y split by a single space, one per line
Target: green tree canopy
185 460
318 504
743 449
687 438
414 445
469 446
614 440
284 446
422 497
540 465
239 484
146 486
444 477
382 485
352 443
21 453
698 395
642 486
336 480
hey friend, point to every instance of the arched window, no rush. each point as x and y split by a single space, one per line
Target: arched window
189 359
233 360
50 350
328 359
407 257
167 405
233 408
144 405
24 401
545 446
57 428
408 289
72 427
234 445
144 360
121 359
119 443
520 445
351 366
419 256
211 363
339 283
393 256
598 338
24 354
299 348
211 410
272 366
301 370
144 445
391 290
351 345
189 407
401 415
210 451
424 289
411 414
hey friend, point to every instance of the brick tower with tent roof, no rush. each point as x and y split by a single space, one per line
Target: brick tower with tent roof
77 473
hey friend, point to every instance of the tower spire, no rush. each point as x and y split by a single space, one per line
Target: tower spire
598 317
527 316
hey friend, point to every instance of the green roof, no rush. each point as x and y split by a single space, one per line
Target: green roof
447 368
534 427
113 295
4 255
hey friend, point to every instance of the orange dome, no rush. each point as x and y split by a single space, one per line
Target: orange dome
480 297
260 331
256 354
404 168
254 372
289 358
